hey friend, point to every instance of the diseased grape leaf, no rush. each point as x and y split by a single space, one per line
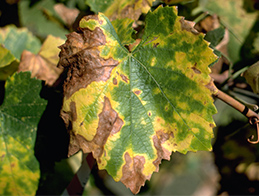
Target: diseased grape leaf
19 116
124 30
12 42
174 1
132 109
44 64
118 9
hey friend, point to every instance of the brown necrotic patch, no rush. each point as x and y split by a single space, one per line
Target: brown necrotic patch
132 171
124 78
80 56
159 139
137 92
155 45
114 81
109 124
73 111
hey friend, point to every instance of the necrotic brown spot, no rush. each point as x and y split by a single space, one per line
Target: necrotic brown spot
194 68
124 78
137 92
155 45
73 110
114 81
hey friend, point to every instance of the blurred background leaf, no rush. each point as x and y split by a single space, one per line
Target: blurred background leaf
19 116
13 41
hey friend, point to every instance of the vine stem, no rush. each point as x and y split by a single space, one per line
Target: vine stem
77 184
252 116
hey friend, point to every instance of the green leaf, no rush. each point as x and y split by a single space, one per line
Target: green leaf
19 116
41 19
123 28
235 18
251 76
118 9
18 39
215 36
132 109
8 63
13 41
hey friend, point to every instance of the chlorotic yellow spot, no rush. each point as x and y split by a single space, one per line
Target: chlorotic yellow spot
153 61
156 91
143 122
195 130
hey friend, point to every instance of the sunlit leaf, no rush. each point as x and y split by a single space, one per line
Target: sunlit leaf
19 116
132 109
12 42
44 64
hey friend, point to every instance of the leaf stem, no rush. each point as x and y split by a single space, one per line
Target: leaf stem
236 104
252 116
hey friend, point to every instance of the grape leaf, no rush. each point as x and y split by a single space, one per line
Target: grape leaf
8 63
251 76
12 42
41 18
174 1
132 109
236 19
19 116
44 64
118 9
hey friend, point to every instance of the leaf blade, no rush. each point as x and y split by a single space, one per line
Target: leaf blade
146 103
19 116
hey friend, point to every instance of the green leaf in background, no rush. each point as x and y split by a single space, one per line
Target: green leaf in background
234 17
13 41
215 36
118 9
252 77
41 19
19 116
133 108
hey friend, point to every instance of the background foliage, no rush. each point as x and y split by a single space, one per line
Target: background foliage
232 167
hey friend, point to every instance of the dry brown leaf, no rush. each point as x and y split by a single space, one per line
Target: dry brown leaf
44 64
68 15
